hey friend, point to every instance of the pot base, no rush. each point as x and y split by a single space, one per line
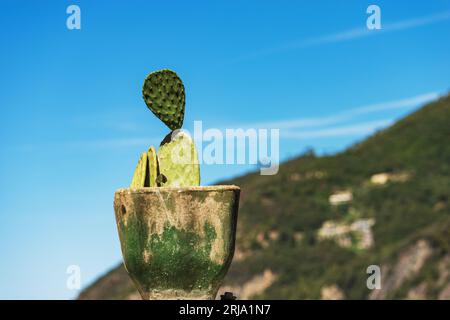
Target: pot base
172 294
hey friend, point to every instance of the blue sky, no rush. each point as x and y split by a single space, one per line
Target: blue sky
72 120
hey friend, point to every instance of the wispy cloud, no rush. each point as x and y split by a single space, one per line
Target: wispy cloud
350 34
397 104
110 143
348 130
301 123
320 127
111 121
94 144
387 27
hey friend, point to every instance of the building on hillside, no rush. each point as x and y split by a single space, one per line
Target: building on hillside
340 197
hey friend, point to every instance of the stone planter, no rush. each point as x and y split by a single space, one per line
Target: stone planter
177 243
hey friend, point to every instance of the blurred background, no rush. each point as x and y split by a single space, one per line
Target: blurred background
363 117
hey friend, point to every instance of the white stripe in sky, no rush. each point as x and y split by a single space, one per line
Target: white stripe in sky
350 34
294 129
348 130
409 102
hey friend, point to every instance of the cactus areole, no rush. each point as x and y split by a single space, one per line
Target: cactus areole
177 237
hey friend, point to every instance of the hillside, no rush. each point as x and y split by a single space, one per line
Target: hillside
311 231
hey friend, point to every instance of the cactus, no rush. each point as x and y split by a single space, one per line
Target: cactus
152 168
176 163
146 170
140 173
163 92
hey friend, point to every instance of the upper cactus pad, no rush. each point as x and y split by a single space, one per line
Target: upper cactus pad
163 92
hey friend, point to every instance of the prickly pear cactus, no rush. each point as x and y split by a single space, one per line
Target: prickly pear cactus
140 173
163 92
178 161
146 170
176 164
152 168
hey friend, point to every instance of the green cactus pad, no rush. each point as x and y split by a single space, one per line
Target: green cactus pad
140 173
178 161
152 168
163 92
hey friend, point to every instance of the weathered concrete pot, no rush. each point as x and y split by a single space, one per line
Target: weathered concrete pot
177 243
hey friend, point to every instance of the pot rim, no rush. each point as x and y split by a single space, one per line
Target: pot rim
179 189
